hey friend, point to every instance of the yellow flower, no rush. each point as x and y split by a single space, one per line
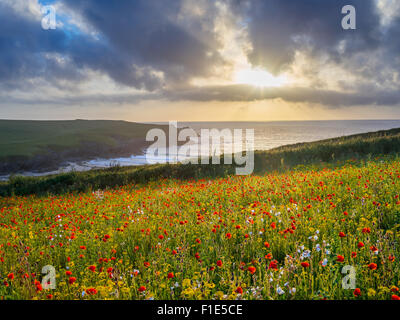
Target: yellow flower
186 283
371 292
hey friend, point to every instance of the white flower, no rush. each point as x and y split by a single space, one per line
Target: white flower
279 290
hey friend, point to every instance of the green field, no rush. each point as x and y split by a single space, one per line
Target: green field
28 138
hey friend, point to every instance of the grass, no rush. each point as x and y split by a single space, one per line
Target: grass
359 147
283 235
200 232
26 138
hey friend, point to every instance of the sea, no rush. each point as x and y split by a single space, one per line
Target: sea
267 135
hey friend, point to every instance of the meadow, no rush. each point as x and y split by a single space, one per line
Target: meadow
278 235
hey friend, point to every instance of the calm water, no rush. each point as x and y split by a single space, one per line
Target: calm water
267 135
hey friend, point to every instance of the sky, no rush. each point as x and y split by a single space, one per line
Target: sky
199 60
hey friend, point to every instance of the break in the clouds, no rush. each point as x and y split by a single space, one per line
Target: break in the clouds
199 50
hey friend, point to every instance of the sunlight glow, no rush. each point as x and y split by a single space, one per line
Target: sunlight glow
258 78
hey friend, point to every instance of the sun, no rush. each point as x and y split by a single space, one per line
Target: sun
258 78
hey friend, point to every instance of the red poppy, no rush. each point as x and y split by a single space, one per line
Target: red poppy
142 288
273 265
266 244
339 258
373 248
92 268
68 273
360 244
268 256
395 297
228 235
91 291
357 292
342 234
354 254
170 275
71 280
219 263
146 264
239 290
10 276
372 266
251 269
305 264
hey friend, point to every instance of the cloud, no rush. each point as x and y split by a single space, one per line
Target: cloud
160 47
280 28
329 98
153 35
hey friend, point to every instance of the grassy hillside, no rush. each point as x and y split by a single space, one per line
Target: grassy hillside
358 147
29 138
279 236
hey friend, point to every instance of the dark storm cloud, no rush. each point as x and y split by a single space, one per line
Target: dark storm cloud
147 33
146 44
23 50
278 28
138 40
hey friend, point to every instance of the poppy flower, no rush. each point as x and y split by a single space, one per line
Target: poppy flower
357 292
360 244
354 254
92 268
395 297
228 235
251 269
142 288
10 276
273 265
268 256
372 266
339 258
170 275
342 234
71 280
305 264
91 291
219 263
239 290
68 273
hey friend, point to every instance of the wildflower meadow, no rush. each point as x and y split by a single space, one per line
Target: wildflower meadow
272 236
